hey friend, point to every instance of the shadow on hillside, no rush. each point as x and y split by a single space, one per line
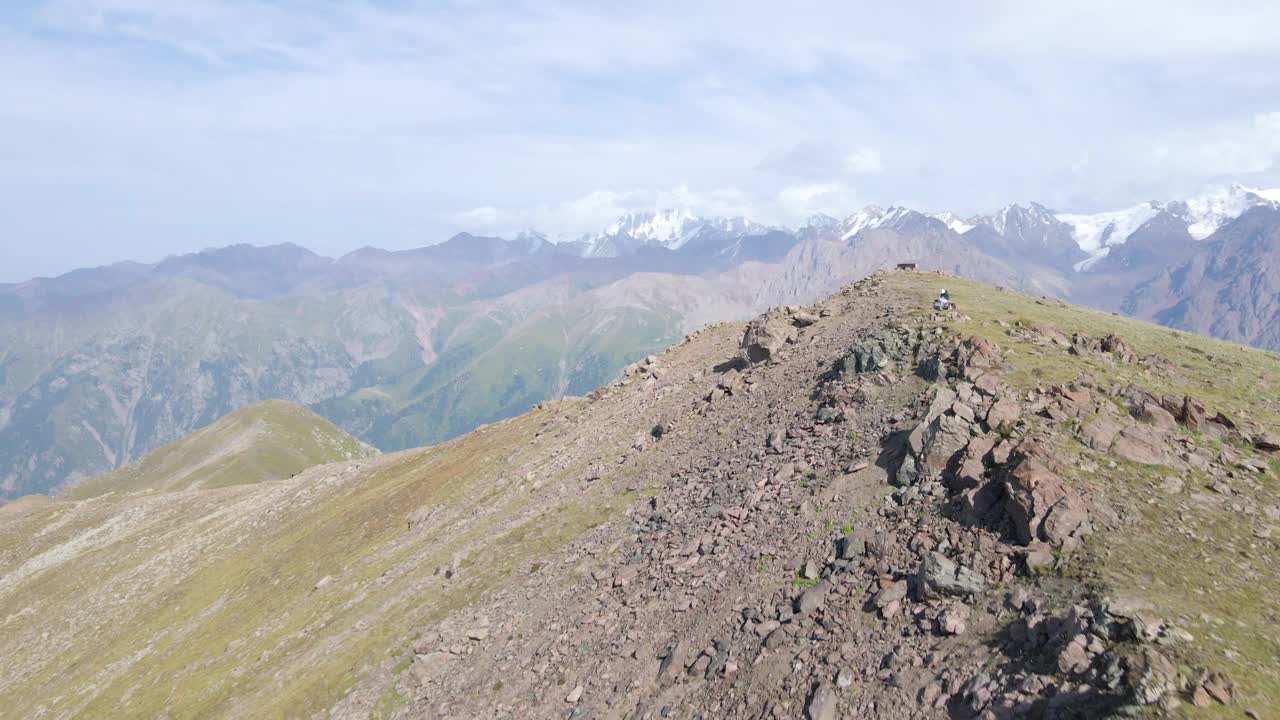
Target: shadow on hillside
735 363
1029 681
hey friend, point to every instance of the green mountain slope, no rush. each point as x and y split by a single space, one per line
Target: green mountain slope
497 361
397 368
269 440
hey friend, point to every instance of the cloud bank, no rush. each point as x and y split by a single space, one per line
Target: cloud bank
138 128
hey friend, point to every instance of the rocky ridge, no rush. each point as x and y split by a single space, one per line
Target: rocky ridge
829 526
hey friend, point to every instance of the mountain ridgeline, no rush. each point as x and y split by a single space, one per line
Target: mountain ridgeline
409 348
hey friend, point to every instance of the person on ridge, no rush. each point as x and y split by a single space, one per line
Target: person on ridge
944 300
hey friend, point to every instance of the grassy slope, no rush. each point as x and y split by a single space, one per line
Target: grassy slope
206 603
1200 563
269 440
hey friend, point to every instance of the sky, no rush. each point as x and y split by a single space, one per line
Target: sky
136 129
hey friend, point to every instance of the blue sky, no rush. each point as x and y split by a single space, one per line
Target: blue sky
132 129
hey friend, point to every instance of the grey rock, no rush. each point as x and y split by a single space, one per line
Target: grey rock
764 337
812 598
426 667
940 576
853 545
774 441
803 319
895 592
822 703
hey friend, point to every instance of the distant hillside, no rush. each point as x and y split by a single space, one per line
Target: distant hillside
1229 287
269 440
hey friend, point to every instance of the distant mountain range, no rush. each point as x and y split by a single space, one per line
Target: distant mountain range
405 348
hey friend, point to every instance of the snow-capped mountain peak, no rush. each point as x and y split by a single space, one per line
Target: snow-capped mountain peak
1207 212
953 222
868 217
1203 214
531 240
671 229
667 227
1093 233
821 220
1016 217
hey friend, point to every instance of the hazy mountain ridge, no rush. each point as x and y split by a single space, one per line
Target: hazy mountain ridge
405 348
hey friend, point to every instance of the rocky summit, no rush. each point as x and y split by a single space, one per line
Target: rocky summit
862 508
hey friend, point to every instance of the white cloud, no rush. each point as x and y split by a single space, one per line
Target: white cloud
483 216
1242 148
798 202
863 161
592 211
344 124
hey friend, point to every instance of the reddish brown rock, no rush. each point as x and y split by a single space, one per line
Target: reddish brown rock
1041 505
987 383
1117 346
1003 411
972 462
1098 434
1193 414
1142 444
981 353
1156 415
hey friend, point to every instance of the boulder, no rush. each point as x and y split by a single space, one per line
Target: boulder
1217 686
988 383
821 704
1066 403
1142 444
1193 414
940 576
774 440
1117 346
764 337
1267 441
1156 415
981 353
803 319
1003 412
812 598
977 503
894 592
1098 434
972 462
866 357
853 546
1042 506
941 440
1050 335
